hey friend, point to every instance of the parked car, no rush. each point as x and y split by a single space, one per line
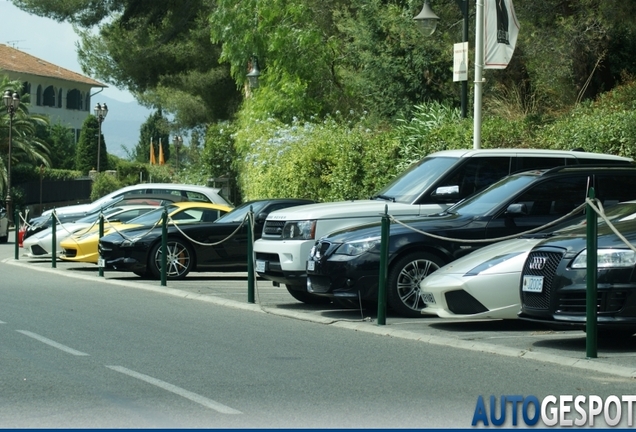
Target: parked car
429 186
485 283
43 222
40 244
553 283
190 247
83 248
4 225
345 264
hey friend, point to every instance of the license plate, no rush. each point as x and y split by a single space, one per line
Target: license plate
101 263
260 266
532 284
428 297
311 265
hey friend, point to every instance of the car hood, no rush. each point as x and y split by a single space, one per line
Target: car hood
441 223
352 209
77 209
495 254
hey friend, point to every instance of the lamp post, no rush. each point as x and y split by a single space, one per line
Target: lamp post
177 143
11 102
100 112
427 18
253 74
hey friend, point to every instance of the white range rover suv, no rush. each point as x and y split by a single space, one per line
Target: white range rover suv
429 186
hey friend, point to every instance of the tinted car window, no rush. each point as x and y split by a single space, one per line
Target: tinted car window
477 173
525 163
615 188
554 197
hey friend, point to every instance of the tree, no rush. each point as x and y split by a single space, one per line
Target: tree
62 144
86 155
155 129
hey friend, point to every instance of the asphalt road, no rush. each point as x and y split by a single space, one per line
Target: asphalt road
83 351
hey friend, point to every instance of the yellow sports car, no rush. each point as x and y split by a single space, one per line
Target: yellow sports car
82 247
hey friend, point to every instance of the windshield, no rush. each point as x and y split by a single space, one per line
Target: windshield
238 214
411 184
483 203
94 216
152 217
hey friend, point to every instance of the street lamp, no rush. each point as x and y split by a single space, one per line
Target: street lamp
177 143
427 19
12 102
479 59
100 112
254 74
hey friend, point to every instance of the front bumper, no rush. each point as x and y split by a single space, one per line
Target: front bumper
283 261
344 276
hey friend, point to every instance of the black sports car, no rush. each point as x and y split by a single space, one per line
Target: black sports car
554 280
345 265
190 247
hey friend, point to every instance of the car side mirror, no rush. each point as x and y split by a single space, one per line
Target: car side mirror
518 209
446 194
260 218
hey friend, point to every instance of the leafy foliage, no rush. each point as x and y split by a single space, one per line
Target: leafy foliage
86 156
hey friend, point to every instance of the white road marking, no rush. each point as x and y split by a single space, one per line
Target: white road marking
2 322
209 403
52 343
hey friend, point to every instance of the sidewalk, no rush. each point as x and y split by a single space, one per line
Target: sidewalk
509 338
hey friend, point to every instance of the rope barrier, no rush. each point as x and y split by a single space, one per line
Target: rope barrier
495 239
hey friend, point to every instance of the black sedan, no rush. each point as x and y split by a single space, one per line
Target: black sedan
190 247
345 265
554 280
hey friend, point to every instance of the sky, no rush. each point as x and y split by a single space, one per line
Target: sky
47 39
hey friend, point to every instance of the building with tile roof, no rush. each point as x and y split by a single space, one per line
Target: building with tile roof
62 95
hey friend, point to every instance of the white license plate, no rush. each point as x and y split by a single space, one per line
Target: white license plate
532 284
260 266
311 265
428 297
101 263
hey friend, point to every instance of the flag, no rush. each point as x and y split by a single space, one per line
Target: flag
501 30
161 159
152 154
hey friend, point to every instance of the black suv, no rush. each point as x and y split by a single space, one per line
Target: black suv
344 265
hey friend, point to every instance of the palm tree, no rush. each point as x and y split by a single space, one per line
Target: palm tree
26 147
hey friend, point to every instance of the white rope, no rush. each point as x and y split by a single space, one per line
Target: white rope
600 211
496 239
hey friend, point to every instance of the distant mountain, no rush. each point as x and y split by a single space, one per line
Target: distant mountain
122 124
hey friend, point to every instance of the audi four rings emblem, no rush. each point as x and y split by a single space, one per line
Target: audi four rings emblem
538 263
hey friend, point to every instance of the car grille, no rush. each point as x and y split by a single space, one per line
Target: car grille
70 253
541 300
273 228
606 302
461 303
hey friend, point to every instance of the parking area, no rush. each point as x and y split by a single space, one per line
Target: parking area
502 337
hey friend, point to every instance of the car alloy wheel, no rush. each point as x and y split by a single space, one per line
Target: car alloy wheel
403 282
179 259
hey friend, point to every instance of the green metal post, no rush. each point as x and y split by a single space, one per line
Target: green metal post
384 254
100 263
53 239
164 246
16 224
591 326
250 258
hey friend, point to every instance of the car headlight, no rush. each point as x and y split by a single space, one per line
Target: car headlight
129 242
300 230
617 258
357 247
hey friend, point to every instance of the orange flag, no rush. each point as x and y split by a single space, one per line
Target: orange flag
152 154
161 159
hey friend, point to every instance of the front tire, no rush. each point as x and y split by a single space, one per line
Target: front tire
403 282
301 295
179 260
